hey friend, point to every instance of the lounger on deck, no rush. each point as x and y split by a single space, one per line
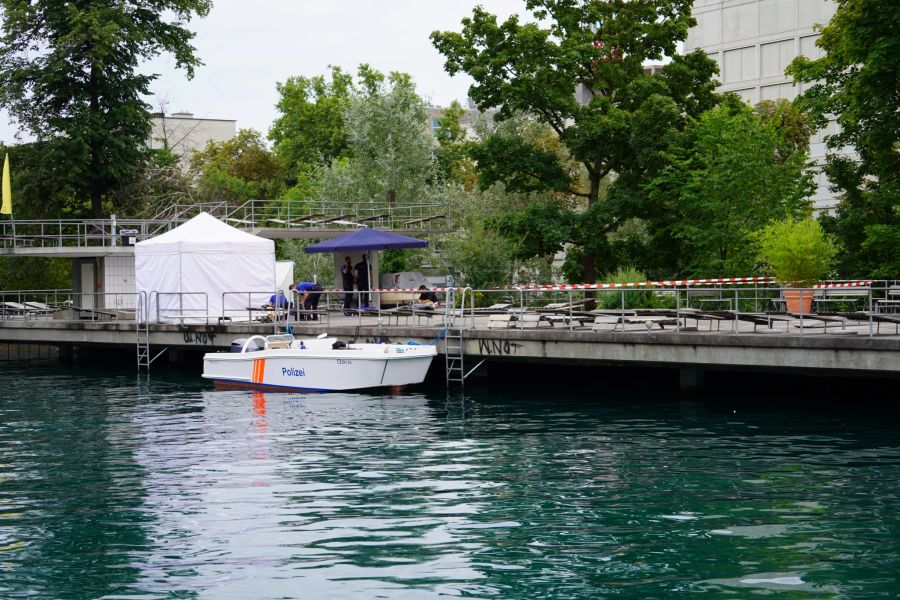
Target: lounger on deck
501 321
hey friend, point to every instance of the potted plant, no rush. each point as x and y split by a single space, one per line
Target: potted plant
800 254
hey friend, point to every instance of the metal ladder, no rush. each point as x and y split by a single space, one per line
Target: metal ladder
143 336
143 345
454 340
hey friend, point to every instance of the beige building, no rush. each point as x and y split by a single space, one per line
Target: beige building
183 133
753 41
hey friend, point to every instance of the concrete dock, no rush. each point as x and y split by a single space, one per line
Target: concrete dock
841 351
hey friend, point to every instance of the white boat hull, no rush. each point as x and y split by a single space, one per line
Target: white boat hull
322 369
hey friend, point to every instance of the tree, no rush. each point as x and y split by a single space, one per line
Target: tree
312 129
241 168
733 171
856 81
69 75
599 47
452 154
390 151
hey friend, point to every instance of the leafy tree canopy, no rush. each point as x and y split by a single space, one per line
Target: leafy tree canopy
69 75
732 171
241 168
593 50
391 154
856 81
311 128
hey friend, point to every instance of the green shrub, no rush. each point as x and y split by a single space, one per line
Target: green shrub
798 252
634 297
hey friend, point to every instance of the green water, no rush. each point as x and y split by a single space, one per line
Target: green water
115 486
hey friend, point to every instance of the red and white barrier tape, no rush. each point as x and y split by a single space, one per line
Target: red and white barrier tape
604 286
823 286
607 286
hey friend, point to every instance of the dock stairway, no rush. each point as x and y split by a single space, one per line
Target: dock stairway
143 337
454 340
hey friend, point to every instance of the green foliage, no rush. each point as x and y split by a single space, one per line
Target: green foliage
69 74
237 169
597 49
390 151
541 228
40 187
731 172
452 155
521 164
634 297
799 252
312 129
856 81
394 261
32 273
307 267
483 257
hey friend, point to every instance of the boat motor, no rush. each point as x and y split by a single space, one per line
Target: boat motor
238 345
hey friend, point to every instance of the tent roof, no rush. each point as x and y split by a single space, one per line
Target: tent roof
205 228
366 239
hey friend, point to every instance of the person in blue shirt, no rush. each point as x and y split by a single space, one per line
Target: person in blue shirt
310 292
279 300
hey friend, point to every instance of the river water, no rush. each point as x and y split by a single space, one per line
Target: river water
113 485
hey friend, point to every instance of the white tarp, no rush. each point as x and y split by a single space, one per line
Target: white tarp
184 272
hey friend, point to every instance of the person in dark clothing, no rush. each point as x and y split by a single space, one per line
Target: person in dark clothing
427 297
310 292
348 280
362 280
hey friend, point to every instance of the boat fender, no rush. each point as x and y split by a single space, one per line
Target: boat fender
302 347
338 345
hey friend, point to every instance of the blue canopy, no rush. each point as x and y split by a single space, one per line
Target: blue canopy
366 239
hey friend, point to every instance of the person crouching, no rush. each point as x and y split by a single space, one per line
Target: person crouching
310 293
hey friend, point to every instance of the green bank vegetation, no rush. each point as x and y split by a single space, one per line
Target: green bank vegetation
577 147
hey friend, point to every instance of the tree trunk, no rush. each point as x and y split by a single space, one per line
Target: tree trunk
95 185
588 260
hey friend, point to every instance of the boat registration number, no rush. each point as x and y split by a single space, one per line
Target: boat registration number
344 361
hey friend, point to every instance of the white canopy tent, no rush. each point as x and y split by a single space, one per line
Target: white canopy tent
184 272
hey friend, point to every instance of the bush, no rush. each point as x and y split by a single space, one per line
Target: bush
798 252
634 297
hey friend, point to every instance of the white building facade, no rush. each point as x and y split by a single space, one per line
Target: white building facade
183 133
753 41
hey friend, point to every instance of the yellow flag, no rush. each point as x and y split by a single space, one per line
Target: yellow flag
6 207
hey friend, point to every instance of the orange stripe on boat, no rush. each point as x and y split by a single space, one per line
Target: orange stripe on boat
259 369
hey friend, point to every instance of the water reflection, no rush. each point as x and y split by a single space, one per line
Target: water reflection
169 489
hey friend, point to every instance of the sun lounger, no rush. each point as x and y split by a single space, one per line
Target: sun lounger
499 308
501 321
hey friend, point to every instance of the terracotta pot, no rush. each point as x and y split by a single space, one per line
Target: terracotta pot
796 304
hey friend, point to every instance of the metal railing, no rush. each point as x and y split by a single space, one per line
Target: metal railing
675 309
80 233
320 214
254 214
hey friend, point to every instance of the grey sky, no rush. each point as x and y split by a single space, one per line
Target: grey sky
249 46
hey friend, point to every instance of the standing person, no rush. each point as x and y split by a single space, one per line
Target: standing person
309 299
348 279
362 281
